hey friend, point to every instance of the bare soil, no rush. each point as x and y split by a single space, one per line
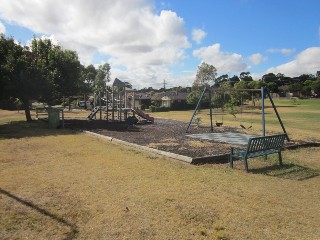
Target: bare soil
164 134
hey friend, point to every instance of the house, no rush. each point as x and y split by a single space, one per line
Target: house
174 100
142 100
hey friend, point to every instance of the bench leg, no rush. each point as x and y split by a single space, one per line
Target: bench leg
231 161
280 158
246 164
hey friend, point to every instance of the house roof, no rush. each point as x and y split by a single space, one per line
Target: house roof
116 83
172 95
142 96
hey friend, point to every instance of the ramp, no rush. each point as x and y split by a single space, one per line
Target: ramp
143 115
93 113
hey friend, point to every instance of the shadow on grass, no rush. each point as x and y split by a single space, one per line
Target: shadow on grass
288 171
22 129
73 228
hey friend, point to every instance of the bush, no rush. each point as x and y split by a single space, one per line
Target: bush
143 107
159 109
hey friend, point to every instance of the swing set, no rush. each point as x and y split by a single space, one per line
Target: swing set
264 94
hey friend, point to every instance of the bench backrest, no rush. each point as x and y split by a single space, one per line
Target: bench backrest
257 144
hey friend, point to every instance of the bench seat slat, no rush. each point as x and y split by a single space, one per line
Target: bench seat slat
259 146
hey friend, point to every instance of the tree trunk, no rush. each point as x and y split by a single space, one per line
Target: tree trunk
27 110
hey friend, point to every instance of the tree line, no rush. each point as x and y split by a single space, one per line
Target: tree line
306 85
45 72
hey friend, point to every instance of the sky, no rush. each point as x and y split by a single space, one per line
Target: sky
150 42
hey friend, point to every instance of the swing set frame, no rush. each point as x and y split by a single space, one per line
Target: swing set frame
264 94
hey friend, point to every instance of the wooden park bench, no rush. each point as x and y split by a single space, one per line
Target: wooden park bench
259 146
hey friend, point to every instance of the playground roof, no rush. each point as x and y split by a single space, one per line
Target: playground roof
116 83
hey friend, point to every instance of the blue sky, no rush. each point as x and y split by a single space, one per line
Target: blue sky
148 41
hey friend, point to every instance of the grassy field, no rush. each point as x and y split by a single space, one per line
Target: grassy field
61 184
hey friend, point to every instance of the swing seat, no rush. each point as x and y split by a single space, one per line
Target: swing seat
219 124
245 127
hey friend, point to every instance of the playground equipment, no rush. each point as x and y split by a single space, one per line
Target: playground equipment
118 106
264 94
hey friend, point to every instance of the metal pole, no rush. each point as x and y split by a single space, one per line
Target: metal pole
112 103
195 110
278 116
210 105
100 105
263 113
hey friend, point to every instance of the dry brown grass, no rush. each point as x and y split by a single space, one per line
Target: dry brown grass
59 184
67 185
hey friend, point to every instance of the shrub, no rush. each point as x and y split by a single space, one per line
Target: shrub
159 109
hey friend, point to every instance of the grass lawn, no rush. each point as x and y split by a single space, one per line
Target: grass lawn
61 184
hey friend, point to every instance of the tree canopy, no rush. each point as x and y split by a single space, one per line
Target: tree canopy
206 73
41 71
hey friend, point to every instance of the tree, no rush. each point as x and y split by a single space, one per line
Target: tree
102 77
62 71
307 87
221 79
273 87
295 88
245 76
234 79
194 96
206 73
269 77
22 73
42 72
88 75
316 87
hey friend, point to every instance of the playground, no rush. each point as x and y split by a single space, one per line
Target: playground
68 184
207 140
63 184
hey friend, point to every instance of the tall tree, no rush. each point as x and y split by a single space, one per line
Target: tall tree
42 72
206 73
23 73
245 76
102 77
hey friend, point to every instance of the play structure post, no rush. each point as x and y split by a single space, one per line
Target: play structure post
112 103
100 105
263 113
107 105
195 111
278 116
210 105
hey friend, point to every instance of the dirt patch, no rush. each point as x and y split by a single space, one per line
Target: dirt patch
165 134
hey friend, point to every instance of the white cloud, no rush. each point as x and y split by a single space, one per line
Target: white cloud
256 58
2 28
306 62
285 51
198 35
130 32
223 61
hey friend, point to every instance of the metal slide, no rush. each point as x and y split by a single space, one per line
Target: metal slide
143 115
